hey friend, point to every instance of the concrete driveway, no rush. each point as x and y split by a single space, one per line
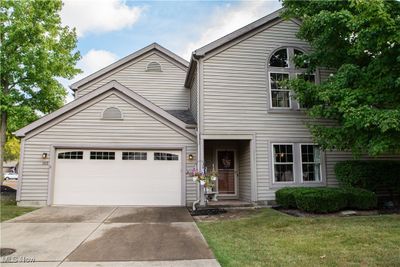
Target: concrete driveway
106 236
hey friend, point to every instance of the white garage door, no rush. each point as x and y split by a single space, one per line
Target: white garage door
117 177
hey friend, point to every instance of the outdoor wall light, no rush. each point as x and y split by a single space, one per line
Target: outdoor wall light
191 157
44 156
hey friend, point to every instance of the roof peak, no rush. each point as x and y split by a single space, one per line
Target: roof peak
111 85
128 58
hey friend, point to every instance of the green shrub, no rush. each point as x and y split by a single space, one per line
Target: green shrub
369 174
321 200
285 197
361 199
325 199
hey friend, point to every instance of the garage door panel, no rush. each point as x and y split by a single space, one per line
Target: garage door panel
89 181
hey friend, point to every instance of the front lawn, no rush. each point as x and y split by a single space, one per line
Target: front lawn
9 210
271 238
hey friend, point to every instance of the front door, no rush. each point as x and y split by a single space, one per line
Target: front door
226 172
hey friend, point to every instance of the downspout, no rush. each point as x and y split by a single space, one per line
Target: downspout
199 197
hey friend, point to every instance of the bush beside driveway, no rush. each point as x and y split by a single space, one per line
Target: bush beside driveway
272 238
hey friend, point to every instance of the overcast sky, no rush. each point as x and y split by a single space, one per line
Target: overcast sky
111 29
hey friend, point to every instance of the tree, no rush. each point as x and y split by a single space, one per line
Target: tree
11 149
360 40
35 50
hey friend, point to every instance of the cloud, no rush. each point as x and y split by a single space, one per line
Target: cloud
99 15
95 60
227 19
91 62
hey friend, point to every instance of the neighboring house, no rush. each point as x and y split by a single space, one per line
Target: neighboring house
10 166
138 125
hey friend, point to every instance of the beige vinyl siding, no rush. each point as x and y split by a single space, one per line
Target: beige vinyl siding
236 97
325 73
193 96
86 127
165 89
236 100
244 171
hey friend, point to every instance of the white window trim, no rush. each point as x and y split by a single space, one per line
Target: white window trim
301 166
285 90
293 163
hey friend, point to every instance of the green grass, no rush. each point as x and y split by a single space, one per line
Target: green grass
271 238
9 210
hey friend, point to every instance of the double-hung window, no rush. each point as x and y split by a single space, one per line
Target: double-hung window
296 163
310 163
280 94
283 163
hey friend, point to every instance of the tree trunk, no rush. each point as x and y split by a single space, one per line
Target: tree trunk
3 137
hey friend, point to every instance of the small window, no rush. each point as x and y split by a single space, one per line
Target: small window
311 163
71 155
112 113
280 94
165 156
101 155
283 163
154 67
134 156
279 59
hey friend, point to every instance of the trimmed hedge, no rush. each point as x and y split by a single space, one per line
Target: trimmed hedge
369 174
321 200
324 199
285 197
361 199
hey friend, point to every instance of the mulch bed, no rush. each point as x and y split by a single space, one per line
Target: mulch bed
344 213
228 214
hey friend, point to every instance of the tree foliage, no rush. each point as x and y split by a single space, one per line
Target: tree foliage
35 50
11 149
360 41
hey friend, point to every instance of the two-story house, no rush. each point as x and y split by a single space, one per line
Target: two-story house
137 126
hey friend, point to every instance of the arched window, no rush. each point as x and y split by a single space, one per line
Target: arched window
281 68
112 113
154 67
279 59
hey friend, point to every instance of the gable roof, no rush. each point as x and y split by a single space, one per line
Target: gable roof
112 85
238 33
122 61
202 51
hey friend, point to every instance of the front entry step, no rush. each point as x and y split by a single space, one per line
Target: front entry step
230 204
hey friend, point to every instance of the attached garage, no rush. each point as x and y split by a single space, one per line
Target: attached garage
108 147
118 177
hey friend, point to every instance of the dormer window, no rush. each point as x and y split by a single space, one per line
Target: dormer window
154 67
112 113
281 68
